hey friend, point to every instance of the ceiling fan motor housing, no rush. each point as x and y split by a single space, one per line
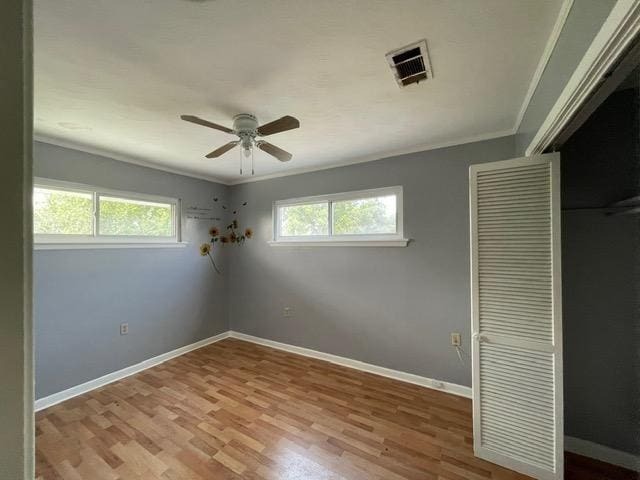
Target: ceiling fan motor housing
245 126
245 123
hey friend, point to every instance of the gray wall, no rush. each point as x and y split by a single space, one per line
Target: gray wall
170 297
582 24
16 382
602 399
392 307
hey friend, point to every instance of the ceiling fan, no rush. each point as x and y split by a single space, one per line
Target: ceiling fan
245 126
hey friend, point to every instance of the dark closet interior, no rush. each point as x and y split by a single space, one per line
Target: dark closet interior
600 170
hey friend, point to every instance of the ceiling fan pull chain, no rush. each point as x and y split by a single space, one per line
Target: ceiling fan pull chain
241 161
252 162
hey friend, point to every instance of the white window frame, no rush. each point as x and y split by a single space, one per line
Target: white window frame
351 240
71 241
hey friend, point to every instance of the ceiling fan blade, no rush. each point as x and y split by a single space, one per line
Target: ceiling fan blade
223 149
204 123
281 125
277 152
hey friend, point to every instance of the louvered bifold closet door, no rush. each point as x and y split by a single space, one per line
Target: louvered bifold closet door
516 314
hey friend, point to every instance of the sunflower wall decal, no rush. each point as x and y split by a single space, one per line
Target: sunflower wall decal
233 235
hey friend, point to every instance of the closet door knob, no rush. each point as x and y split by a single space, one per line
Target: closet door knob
479 337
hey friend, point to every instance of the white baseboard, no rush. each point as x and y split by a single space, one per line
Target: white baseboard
602 453
572 444
69 393
58 397
453 388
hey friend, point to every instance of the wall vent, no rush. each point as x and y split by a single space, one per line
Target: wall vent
410 64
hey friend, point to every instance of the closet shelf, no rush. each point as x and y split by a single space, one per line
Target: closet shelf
628 206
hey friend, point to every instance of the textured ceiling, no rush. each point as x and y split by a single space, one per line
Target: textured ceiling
113 76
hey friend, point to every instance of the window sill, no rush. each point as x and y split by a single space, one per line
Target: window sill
99 246
341 243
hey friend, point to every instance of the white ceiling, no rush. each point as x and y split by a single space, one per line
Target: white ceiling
112 76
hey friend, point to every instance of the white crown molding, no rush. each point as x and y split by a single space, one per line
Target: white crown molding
124 158
380 156
549 47
58 397
563 14
602 453
565 8
615 35
187 173
447 387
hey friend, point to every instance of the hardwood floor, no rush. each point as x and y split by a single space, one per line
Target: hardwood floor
238 410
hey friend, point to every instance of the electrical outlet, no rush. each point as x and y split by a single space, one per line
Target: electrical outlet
124 329
456 340
286 312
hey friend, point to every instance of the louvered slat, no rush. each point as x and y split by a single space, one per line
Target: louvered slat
516 420
515 239
510 380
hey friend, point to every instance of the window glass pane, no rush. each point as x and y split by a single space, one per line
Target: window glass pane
304 220
62 212
122 216
365 216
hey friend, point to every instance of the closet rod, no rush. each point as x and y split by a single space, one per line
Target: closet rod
621 210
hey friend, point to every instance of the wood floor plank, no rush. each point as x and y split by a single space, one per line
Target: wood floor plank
236 410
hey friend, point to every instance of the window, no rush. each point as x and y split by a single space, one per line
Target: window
307 220
65 212
69 214
124 216
366 217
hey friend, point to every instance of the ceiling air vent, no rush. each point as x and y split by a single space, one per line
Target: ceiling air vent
410 64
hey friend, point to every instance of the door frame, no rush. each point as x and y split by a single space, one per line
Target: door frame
16 327
616 35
